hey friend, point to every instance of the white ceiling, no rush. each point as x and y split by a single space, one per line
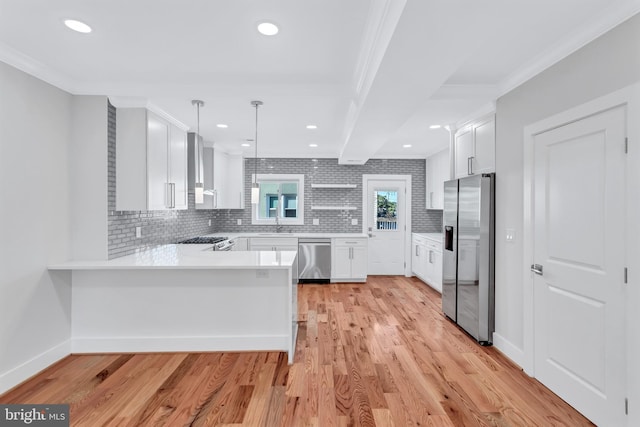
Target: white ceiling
371 74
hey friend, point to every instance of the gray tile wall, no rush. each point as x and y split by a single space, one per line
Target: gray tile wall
158 227
328 171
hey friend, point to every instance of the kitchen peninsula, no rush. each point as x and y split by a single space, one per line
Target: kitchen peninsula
184 298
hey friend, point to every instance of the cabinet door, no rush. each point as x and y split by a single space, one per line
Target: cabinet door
415 258
178 166
341 263
234 188
358 262
464 150
220 176
432 169
485 141
157 163
437 271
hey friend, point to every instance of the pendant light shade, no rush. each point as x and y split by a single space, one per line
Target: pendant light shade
255 188
199 185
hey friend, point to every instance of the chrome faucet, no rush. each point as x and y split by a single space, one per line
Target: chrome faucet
278 225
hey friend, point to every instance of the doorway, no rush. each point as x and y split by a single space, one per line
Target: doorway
387 221
575 243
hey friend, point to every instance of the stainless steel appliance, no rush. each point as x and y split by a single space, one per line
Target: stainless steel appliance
314 260
219 243
468 255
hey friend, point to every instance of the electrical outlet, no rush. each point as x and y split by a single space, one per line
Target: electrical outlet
510 235
239 221
316 221
354 221
209 223
138 232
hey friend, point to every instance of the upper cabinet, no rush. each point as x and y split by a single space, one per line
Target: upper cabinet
474 147
223 179
151 162
438 171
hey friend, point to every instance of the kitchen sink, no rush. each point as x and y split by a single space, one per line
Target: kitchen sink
275 234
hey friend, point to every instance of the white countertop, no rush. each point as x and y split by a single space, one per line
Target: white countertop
431 236
188 257
296 235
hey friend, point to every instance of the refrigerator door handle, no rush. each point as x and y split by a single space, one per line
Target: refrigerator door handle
537 268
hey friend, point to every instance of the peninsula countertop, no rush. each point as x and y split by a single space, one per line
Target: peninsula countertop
187 257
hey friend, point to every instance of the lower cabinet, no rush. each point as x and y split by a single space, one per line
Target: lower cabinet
349 260
273 244
426 260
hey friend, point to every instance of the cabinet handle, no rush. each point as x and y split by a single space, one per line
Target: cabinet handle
417 250
431 199
470 165
430 257
215 198
173 194
167 194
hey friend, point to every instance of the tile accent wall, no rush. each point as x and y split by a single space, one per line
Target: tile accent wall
158 227
328 171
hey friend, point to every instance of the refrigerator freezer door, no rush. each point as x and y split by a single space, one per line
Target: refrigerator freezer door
449 254
475 257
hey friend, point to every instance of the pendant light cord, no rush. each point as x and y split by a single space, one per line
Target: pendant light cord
255 160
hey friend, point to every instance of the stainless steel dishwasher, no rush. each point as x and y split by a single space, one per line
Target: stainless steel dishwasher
314 260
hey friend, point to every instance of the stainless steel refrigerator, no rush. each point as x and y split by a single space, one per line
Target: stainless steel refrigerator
468 255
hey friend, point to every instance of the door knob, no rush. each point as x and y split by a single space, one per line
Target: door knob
537 268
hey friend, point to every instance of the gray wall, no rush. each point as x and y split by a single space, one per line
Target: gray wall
609 63
35 224
158 227
328 171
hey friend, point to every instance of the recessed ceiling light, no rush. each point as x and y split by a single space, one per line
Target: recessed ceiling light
268 29
246 145
313 145
406 146
435 127
78 26
222 125
312 127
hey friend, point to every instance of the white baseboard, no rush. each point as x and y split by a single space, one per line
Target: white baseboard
507 348
23 372
180 344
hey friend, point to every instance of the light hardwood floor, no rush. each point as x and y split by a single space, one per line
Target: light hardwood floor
373 354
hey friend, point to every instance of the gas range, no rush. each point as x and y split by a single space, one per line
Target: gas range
219 243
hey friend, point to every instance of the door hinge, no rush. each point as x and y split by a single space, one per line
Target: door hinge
626 145
626 406
626 275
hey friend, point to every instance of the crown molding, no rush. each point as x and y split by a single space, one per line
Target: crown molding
579 38
35 68
140 102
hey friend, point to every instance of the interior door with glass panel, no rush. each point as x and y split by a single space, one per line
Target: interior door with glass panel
385 216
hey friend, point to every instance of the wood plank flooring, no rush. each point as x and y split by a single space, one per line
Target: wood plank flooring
373 354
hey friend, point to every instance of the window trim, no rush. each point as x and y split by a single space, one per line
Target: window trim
299 220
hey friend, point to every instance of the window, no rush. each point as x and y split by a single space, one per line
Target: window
386 209
281 200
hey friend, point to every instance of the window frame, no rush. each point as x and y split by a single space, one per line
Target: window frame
280 179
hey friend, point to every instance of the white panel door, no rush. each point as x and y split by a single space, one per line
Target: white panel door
385 215
579 311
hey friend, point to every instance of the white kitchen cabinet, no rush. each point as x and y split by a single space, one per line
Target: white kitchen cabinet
273 244
437 172
418 256
349 259
426 260
241 244
223 179
151 162
475 148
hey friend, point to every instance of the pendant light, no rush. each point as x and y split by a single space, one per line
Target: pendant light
255 188
199 187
